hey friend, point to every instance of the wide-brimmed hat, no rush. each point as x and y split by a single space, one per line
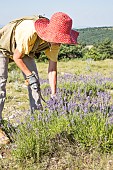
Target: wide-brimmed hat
57 30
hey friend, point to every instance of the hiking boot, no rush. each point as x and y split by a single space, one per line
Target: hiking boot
3 138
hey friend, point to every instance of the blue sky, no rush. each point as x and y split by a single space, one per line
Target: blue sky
85 13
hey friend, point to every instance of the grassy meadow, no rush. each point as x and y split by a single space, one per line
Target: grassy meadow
73 132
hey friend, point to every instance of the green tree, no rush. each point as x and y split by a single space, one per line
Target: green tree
105 49
100 51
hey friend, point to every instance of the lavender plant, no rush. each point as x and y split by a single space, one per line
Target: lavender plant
83 109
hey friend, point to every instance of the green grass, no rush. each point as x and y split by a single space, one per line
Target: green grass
76 66
87 67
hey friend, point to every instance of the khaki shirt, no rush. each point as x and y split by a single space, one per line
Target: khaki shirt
25 36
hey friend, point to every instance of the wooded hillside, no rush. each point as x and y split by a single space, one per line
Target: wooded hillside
90 36
94 35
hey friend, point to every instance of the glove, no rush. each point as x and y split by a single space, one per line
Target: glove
33 81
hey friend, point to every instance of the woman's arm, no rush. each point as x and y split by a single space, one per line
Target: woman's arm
17 57
52 73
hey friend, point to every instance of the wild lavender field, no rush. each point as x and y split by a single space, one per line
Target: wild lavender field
73 132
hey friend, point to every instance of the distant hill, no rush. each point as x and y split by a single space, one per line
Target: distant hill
90 36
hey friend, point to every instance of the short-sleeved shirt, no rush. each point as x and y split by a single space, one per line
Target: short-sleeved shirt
25 36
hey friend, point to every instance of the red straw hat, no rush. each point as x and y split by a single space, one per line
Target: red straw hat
57 30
